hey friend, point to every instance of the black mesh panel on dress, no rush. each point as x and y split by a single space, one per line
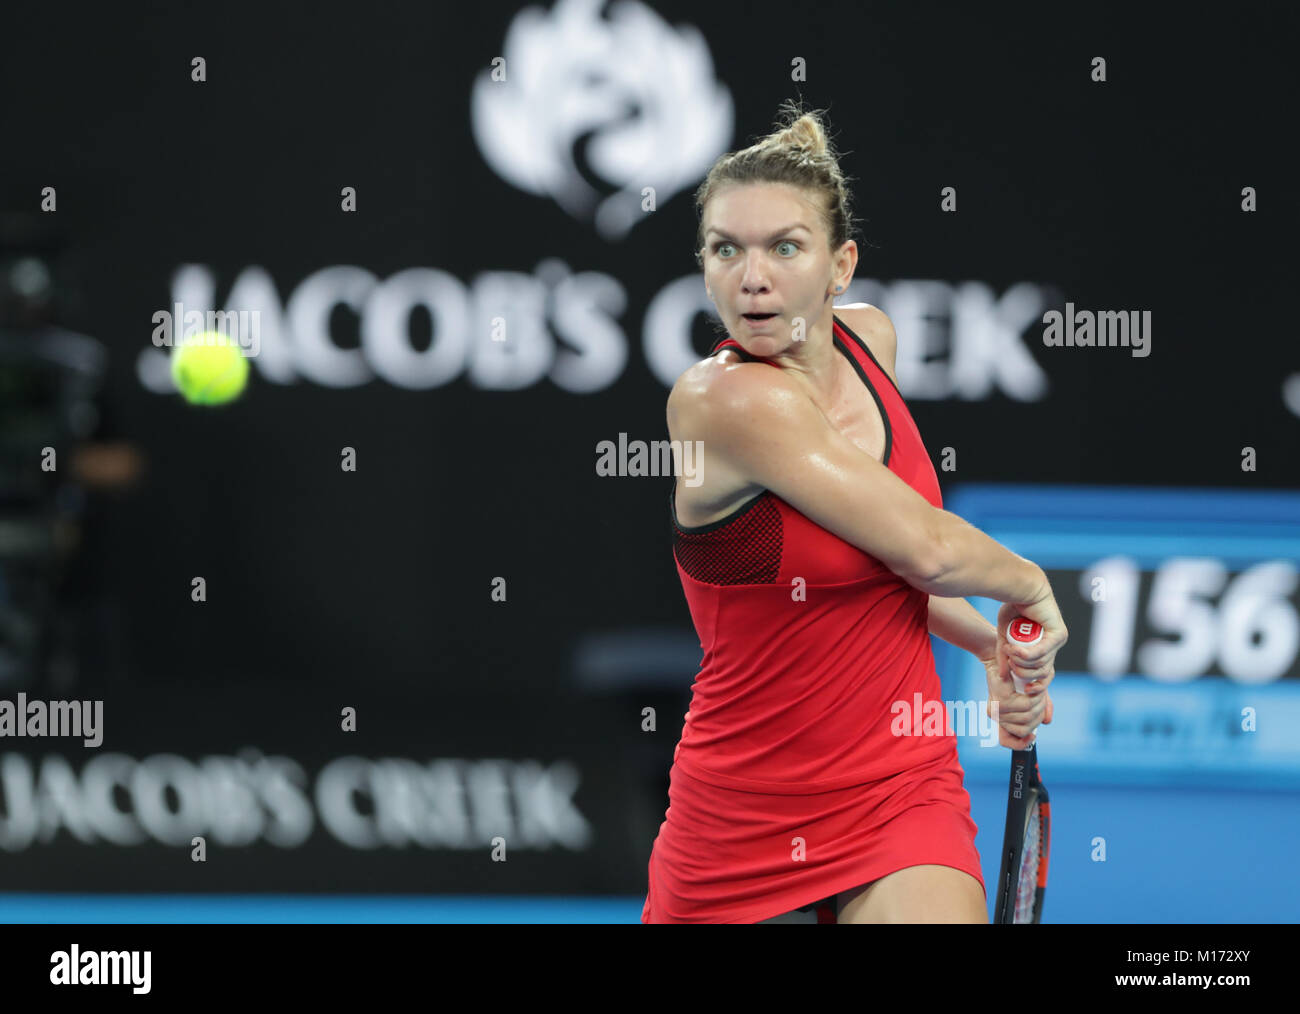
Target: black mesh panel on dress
744 551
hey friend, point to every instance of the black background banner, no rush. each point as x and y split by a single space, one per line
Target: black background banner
222 961
1122 195
476 474
414 800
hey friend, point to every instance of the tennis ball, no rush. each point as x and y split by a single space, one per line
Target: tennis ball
209 369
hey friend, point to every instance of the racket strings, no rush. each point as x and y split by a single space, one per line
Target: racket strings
1027 880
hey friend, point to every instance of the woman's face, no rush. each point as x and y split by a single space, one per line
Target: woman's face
765 250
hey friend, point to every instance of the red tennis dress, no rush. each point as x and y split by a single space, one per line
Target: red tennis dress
818 755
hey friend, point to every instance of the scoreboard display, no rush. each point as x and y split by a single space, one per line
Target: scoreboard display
1183 663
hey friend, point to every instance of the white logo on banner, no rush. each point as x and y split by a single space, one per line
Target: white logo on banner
1291 393
631 96
623 99
958 340
237 801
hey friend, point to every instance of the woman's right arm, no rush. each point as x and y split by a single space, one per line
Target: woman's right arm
757 423
972 563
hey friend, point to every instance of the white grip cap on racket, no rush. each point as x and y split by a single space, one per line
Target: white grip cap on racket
1023 631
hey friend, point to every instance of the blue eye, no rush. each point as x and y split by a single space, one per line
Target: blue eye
717 247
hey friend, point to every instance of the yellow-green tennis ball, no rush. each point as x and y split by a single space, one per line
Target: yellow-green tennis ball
209 369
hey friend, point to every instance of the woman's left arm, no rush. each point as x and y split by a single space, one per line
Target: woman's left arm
960 623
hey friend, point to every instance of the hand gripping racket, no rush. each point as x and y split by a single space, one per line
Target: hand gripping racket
1022 880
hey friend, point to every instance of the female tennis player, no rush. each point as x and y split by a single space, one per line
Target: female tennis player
816 559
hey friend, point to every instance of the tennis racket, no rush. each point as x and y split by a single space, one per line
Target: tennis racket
1022 880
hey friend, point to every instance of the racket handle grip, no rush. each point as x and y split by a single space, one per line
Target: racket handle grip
1023 631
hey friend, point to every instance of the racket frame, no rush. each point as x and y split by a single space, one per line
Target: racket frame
1024 793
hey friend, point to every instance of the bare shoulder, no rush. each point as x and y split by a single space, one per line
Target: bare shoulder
867 321
873 326
727 380
725 403
729 401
